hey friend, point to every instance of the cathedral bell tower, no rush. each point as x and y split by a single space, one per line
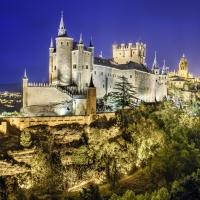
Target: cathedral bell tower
183 67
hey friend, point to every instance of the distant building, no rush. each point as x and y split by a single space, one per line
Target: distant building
181 76
74 72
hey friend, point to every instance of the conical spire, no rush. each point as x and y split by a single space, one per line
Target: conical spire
62 30
155 63
81 39
91 43
101 55
91 82
25 76
164 69
183 55
51 44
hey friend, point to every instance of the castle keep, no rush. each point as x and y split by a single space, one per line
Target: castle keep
77 78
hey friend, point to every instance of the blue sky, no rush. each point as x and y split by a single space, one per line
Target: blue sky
169 27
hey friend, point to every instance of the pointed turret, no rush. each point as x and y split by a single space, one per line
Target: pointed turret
164 69
91 43
25 85
91 82
101 55
51 43
155 66
155 63
91 99
81 39
62 30
25 76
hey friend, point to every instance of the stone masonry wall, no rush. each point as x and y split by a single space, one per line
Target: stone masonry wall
45 96
24 122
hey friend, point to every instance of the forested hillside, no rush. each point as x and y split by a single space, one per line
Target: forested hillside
144 153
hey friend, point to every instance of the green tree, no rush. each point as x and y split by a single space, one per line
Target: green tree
187 189
90 194
126 95
25 138
128 195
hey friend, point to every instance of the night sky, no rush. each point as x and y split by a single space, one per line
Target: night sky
169 27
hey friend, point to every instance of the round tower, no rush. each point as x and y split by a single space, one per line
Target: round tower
91 99
91 49
25 89
51 49
64 46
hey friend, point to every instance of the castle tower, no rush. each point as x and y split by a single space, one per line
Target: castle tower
80 46
91 99
183 67
64 46
124 54
25 85
51 50
91 49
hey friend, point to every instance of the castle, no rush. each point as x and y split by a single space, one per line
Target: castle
77 78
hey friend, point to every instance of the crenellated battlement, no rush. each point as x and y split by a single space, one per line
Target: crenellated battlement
125 53
40 85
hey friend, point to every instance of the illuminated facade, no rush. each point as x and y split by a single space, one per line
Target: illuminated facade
71 66
181 76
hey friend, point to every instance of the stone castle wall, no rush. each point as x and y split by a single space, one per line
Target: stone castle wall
45 96
147 85
24 122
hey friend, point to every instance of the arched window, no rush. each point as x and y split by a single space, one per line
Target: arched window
54 67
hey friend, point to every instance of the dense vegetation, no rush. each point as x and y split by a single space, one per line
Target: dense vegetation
154 154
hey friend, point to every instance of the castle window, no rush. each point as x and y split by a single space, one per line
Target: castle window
86 67
61 43
130 76
94 72
67 44
103 86
101 73
74 66
74 53
86 84
54 67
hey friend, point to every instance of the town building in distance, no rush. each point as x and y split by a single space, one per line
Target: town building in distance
77 78
182 76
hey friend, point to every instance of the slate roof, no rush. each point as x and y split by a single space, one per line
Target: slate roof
174 76
128 66
75 47
179 79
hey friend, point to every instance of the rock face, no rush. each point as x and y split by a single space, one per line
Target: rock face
72 155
